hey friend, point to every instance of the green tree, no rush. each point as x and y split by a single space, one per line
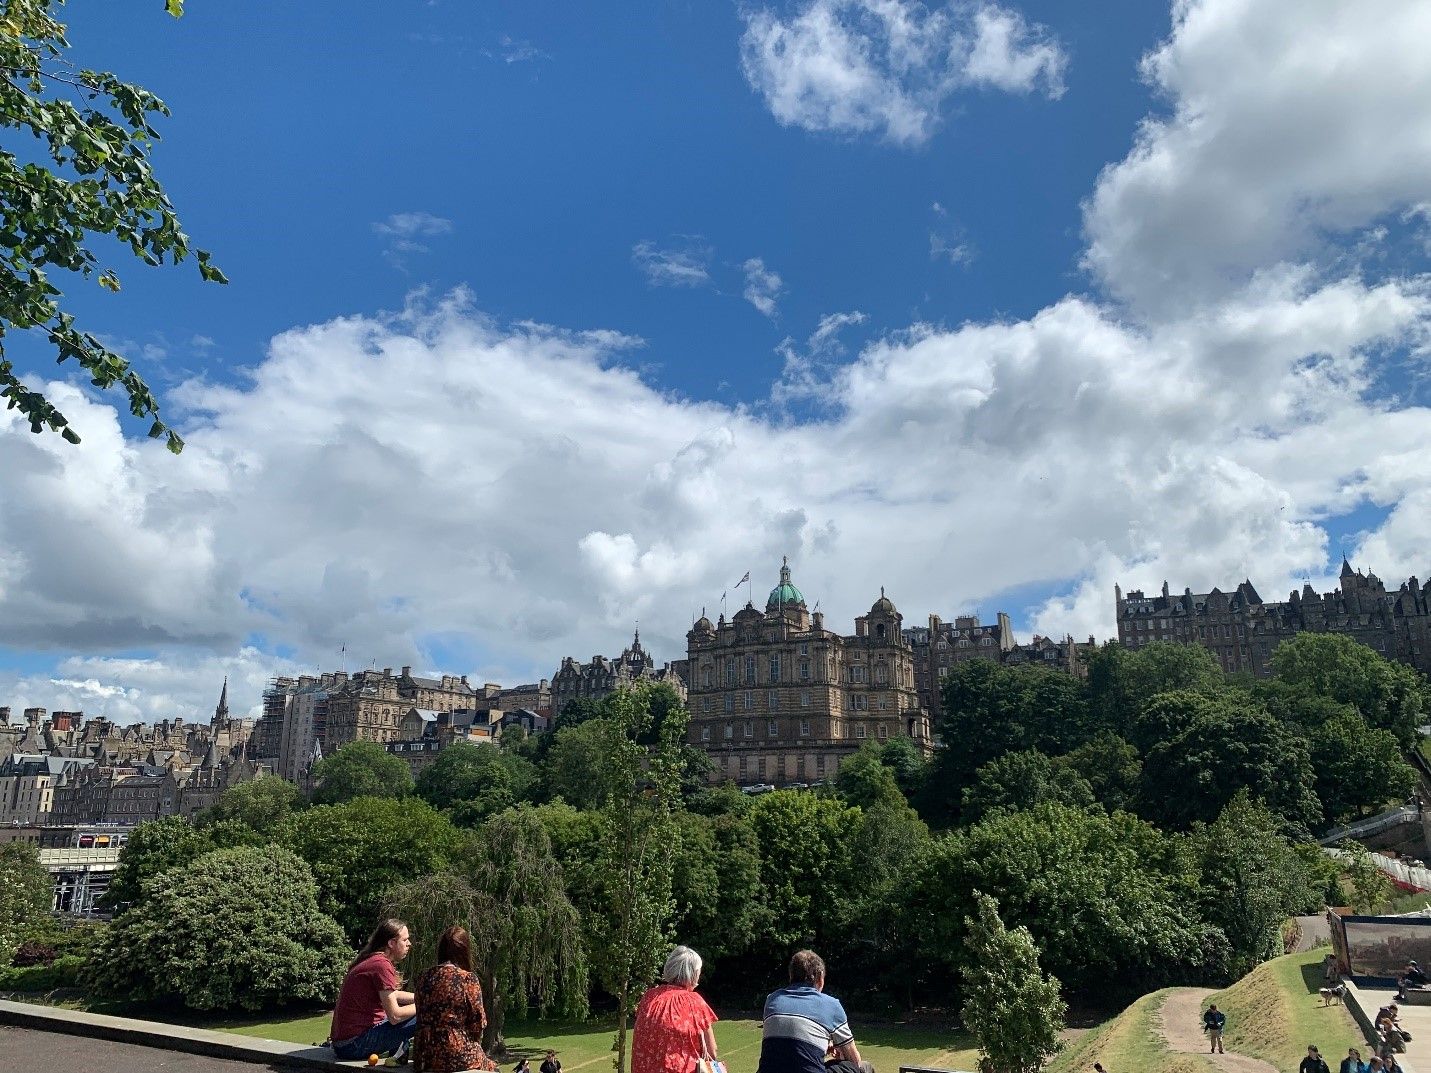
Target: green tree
234 929
1021 780
475 781
1121 681
805 842
1230 744
1111 767
1105 896
1358 769
84 173
1390 696
716 885
360 769
260 805
639 790
361 849
866 932
1011 1007
156 846
509 892
1250 879
864 781
575 754
989 710
26 892
903 757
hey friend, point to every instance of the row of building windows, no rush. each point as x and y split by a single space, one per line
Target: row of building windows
857 702
772 730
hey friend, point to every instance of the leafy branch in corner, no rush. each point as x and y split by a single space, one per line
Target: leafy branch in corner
93 178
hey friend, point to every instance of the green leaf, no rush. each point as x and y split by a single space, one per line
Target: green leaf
175 8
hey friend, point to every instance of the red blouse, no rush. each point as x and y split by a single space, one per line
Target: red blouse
670 1021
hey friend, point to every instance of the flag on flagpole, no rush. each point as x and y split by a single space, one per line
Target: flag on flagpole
744 578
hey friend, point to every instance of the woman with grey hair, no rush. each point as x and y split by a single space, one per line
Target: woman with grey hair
673 1024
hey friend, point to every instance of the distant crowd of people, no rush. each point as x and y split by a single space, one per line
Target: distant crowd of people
440 1023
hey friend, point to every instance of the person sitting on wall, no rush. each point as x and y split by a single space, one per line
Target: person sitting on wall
1411 976
372 1015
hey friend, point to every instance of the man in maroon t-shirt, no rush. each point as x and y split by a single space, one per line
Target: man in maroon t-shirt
372 1016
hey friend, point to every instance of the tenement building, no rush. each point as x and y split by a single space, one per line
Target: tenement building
942 646
1242 631
776 697
602 677
368 705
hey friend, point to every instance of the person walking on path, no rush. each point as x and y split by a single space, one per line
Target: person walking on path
1213 1022
1313 1063
1352 1063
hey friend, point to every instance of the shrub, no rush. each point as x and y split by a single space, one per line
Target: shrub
62 972
235 929
31 952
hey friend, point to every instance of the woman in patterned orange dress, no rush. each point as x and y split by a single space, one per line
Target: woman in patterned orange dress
673 1023
450 1017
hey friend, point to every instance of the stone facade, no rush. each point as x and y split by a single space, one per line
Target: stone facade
602 677
941 646
1242 631
27 786
367 706
1067 655
776 697
96 772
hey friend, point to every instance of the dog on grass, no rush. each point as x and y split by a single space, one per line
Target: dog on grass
1333 994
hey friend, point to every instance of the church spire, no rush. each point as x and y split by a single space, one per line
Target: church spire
221 713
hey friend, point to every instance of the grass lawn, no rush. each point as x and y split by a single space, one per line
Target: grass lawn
587 1045
1274 1012
1129 1043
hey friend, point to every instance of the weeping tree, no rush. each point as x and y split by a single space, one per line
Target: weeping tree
508 891
637 791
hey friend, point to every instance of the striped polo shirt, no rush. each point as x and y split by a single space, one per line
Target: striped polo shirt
800 1023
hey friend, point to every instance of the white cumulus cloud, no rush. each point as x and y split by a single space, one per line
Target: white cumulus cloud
886 67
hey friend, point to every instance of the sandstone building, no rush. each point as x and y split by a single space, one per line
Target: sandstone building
1242 631
776 697
602 677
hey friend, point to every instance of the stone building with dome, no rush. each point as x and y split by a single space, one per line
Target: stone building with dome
775 697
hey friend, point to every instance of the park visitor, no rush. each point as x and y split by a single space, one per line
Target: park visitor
372 1016
551 1065
1411 976
450 1016
673 1023
523 1066
802 1024
1313 1063
1213 1022
1352 1063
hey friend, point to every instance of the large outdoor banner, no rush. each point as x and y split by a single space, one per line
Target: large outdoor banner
1381 946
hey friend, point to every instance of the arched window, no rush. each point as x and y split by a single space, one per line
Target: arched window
879 631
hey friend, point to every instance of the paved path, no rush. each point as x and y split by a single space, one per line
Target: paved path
1180 1021
1315 931
54 1052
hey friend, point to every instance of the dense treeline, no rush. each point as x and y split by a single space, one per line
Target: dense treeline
1148 826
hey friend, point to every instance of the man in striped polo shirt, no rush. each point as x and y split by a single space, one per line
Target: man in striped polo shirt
803 1024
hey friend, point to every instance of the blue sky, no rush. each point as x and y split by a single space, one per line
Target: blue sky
546 319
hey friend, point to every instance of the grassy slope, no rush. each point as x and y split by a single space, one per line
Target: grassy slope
589 1045
1129 1043
1274 1012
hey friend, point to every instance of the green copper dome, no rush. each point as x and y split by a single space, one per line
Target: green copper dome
785 594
